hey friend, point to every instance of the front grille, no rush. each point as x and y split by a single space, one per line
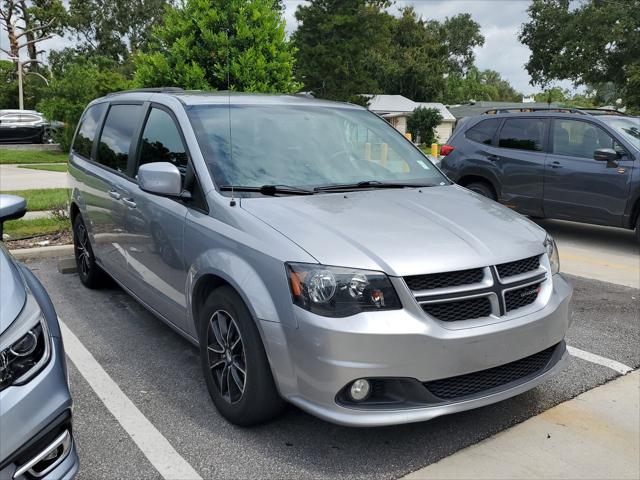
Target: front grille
459 310
521 297
443 280
473 383
519 266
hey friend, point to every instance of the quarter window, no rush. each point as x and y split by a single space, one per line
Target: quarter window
87 131
522 134
483 131
161 141
579 139
113 149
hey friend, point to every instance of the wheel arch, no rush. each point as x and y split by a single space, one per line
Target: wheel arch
467 179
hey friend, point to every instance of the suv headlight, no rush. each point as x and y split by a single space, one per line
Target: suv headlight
552 253
25 347
340 292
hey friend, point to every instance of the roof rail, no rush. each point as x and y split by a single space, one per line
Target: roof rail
494 111
603 111
149 90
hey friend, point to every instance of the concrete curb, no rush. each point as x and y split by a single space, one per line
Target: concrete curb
42 252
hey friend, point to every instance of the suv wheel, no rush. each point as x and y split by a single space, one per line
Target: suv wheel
638 229
91 275
234 363
483 189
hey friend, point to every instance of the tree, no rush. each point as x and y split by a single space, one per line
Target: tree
422 124
77 83
220 44
504 92
590 43
336 43
413 62
552 95
461 34
113 28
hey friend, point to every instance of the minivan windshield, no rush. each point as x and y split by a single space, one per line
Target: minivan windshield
305 146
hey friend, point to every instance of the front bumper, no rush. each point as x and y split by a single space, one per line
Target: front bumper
33 415
328 354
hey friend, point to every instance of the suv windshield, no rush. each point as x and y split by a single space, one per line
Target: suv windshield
628 127
305 146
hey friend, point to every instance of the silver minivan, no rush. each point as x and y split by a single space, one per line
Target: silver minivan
314 255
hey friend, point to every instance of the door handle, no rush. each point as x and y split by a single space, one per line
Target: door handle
556 164
493 158
129 202
114 194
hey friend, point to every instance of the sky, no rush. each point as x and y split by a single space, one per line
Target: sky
500 22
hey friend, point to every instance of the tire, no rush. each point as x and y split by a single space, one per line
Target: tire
91 275
638 229
483 189
234 362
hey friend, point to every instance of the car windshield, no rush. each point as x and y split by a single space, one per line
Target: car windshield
628 127
305 146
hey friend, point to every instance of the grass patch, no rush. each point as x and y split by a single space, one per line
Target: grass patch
31 156
42 199
51 167
17 229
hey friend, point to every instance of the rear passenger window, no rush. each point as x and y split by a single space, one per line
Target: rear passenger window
522 134
113 149
87 131
483 131
161 141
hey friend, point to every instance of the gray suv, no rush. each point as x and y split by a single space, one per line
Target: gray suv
36 440
314 256
568 165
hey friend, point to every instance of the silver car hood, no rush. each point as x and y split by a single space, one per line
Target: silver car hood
402 231
12 290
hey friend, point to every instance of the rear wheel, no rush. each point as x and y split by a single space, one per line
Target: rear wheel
483 189
234 362
91 275
638 228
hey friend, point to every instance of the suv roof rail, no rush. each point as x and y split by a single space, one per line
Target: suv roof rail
580 111
149 90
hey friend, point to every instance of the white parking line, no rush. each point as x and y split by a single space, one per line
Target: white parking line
621 368
149 440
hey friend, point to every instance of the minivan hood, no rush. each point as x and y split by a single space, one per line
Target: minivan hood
12 293
402 231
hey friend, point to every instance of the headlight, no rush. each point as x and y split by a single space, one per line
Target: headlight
552 253
340 292
24 347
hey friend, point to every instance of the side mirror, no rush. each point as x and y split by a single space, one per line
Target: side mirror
11 207
161 178
606 155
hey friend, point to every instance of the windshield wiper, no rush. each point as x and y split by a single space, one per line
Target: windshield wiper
369 184
268 189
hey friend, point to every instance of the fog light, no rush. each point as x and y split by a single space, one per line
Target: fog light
360 390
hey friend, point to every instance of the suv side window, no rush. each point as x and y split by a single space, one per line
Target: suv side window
117 133
161 141
483 132
576 138
523 134
86 133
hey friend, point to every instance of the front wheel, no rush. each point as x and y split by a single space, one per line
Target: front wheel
91 275
234 362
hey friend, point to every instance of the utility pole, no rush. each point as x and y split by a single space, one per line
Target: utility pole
20 87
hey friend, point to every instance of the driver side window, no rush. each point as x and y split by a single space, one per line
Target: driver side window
161 141
576 138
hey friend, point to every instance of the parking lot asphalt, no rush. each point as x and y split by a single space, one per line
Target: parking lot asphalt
159 372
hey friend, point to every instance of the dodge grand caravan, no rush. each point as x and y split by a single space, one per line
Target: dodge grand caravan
314 255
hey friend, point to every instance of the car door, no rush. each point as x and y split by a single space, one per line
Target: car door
154 242
10 128
578 187
520 159
106 185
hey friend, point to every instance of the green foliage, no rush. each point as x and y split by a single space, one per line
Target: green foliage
34 87
337 43
413 62
113 28
461 34
47 167
552 95
31 156
220 44
487 85
589 43
78 82
17 229
422 124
